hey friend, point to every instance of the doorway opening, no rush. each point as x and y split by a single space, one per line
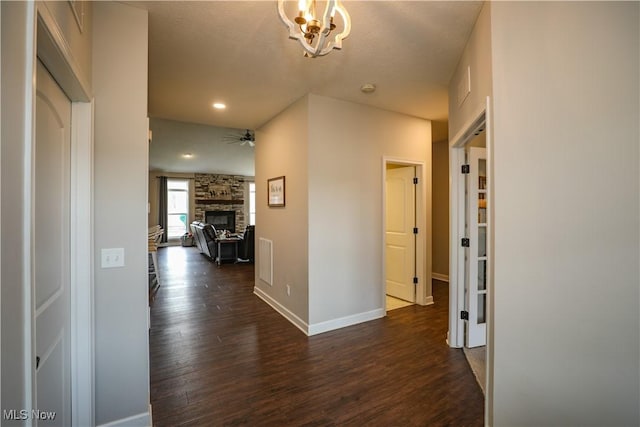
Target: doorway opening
471 260
405 235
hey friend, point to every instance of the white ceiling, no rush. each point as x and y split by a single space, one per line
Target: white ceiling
238 52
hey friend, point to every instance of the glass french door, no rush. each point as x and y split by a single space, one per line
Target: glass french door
476 253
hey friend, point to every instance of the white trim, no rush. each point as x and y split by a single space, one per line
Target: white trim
465 134
28 211
456 253
343 322
440 277
0 193
284 311
81 232
489 363
321 327
140 420
423 239
56 54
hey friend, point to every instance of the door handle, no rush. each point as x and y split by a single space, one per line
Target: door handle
37 361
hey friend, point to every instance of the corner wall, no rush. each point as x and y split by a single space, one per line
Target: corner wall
283 151
566 175
347 143
121 174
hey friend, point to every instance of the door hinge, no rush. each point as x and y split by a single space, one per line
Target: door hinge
465 168
464 315
465 242
415 180
415 280
415 230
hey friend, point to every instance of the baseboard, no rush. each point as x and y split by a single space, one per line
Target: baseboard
343 322
428 300
284 311
140 420
321 327
441 277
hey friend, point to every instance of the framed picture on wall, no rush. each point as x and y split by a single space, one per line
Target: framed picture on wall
275 192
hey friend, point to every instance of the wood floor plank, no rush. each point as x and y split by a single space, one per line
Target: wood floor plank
222 357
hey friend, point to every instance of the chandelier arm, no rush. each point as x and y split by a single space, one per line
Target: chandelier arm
336 43
316 49
293 32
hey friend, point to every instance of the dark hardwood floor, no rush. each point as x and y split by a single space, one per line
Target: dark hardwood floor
221 356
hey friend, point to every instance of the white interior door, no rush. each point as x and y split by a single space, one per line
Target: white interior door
400 239
476 254
51 250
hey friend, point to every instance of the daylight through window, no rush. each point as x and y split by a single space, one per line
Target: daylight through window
177 207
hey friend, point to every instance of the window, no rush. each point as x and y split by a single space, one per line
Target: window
177 207
252 203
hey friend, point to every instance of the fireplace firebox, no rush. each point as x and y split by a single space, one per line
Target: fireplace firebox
221 220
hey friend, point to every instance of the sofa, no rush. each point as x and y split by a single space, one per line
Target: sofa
205 238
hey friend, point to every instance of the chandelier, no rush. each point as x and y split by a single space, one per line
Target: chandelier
316 32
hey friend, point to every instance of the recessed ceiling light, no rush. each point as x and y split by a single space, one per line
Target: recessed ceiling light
187 155
219 106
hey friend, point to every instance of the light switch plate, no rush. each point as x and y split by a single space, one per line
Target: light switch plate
112 257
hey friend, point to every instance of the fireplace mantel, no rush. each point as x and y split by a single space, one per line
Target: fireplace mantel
219 202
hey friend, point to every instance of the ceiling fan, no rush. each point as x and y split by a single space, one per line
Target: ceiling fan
249 137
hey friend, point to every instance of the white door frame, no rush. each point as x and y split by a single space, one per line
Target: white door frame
48 43
424 295
455 336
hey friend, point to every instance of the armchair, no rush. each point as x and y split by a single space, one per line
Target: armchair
205 239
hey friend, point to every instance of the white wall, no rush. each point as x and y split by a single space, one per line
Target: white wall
121 173
347 142
566 163
477 58
283 150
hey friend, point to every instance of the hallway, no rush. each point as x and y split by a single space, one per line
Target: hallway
221 356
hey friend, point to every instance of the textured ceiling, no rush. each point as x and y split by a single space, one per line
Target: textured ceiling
238 52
